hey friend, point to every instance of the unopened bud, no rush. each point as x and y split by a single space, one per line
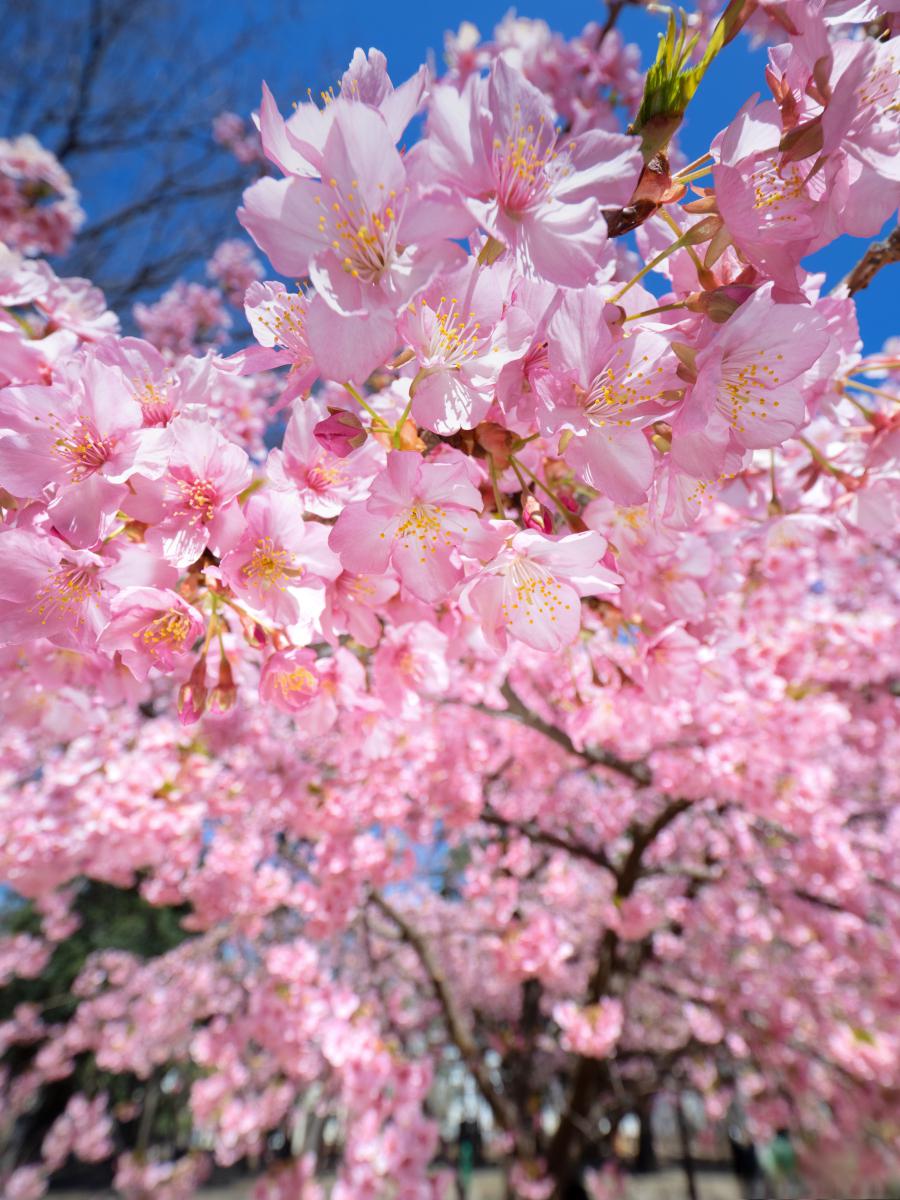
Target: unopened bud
723 302
535 515
193 695
224 694
496 442
340 433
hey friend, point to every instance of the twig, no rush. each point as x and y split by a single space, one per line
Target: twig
635 770
878 255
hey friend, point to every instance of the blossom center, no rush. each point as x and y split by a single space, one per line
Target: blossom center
168 629
83 450
269 565
531 591
365 239
520 166
300 680
744 390
66 592
198 500
422 524
454 336
156 404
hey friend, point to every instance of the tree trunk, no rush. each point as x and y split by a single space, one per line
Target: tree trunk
646 1155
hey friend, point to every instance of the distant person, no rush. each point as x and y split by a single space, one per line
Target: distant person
779 1161
746 1165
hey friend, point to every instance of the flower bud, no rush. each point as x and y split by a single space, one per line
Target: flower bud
340 433
192 696
535 515
224 694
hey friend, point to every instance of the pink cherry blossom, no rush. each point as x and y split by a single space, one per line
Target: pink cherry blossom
531 587
415 518
194 503
151 627
280 563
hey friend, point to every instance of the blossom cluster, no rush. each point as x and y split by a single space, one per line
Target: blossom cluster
39 208
594 589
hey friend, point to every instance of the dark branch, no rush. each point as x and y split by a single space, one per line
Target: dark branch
457 1028
638 772
546 837
878 255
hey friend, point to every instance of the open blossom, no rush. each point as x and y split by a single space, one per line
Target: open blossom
281 562
747 393
323 482
777 211
151 627
298 683
411 660
530 187
49 590
75 446
606 388
463 332
415 518
278 319
348 232
353 603
194 503
531 588
296 145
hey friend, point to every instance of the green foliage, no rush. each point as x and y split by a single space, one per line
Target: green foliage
111 919
670 84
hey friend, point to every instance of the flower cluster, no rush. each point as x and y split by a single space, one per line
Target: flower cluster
578 597
39 208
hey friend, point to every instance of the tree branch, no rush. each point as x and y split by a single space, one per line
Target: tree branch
638 772
457 1028
588 1071
878 255
545 837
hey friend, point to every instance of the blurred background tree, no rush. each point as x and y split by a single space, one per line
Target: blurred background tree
125 93
111 918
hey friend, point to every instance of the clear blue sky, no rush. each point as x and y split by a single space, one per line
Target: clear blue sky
313 50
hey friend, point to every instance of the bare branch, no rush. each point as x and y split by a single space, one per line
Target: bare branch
588 1072
878 255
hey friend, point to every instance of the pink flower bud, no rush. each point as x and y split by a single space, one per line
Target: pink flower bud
340 433
536 516
224 694
192 696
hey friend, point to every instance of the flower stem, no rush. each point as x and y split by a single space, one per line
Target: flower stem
517 464
872 391
692 166
498 500
649 312
376 417
690 249
397 431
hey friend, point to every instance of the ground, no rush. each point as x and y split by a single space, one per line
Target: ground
487 1185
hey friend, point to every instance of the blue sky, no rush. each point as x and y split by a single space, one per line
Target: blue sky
312 50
